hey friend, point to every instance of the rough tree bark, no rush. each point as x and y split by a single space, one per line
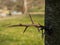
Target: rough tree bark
52 19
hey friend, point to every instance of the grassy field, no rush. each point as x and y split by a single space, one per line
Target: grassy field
15 35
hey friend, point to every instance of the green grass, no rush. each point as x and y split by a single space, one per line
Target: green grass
15 35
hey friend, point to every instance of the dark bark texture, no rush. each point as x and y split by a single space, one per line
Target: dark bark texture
52 20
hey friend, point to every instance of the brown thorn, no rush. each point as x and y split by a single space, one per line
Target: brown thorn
25 29
39 24
42 33
31 19
38 29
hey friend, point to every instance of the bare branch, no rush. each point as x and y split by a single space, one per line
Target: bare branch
25 25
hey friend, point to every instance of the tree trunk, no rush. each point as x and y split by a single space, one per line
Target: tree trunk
52 19
25 6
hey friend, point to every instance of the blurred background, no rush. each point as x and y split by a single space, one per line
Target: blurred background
19 6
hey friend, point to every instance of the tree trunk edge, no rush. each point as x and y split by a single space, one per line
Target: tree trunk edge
52 18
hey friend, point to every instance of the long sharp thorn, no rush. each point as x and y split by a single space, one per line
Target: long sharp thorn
38 23
31 19
41 29
25 29
38 29
42 33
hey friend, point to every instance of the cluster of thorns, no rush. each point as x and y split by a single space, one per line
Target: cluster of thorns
38 26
